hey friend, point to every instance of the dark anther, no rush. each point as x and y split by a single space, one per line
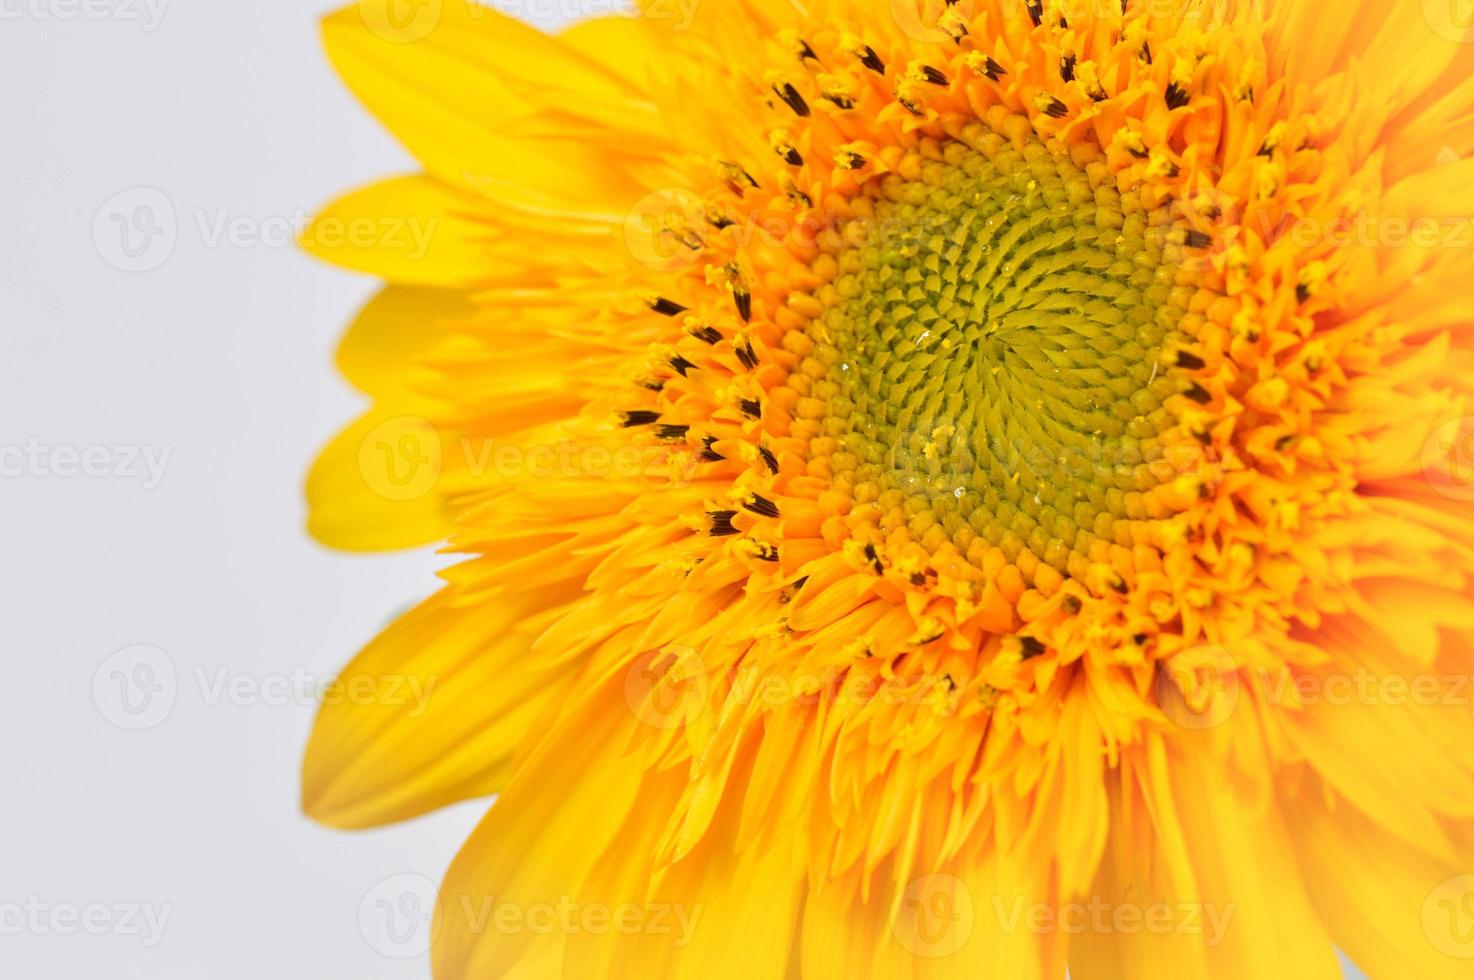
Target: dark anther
791 157
1056 109
1036 11
640 416
874 559
1139 639
762 505
1176 96
745 354
799 582
708 454
769 458
671 432
766 552
871 60
666 307
1302 292
743 298
790 95
806 52
1146 52
1032 647
733 172
720 221
721 523
993 69
1198 239
751 407
681 365
1198 394
1073 604
1189 360
840 99
1067 67
933 75
707 333
653 384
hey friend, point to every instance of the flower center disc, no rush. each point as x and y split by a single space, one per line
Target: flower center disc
991 347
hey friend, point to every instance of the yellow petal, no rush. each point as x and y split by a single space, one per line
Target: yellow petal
480 97
382 483
408 230
395 329
428 714
1255 915
538 845
1381 899
626 46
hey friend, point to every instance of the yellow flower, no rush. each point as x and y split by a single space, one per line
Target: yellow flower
958 489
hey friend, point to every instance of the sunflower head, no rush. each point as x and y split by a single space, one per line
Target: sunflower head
901 454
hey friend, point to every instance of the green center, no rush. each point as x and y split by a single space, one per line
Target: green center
994 354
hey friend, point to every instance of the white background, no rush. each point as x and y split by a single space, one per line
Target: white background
221 358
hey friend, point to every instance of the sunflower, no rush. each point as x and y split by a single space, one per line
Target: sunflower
943 489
